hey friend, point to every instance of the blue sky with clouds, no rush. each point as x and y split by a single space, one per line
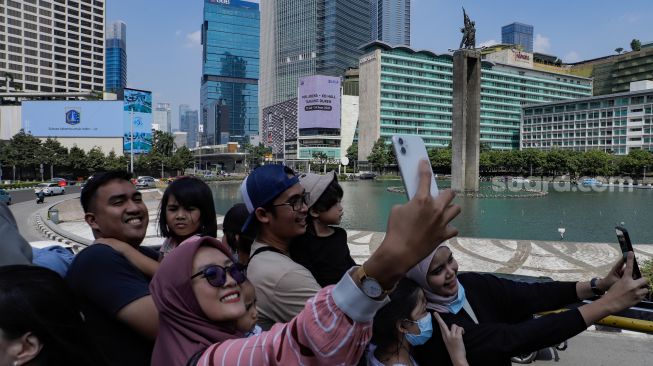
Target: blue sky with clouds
164 51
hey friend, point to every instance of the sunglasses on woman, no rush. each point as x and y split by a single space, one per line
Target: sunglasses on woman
217 275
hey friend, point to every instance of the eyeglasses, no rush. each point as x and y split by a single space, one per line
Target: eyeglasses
296 202
217 275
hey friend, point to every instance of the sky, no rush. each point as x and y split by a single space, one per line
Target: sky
164 51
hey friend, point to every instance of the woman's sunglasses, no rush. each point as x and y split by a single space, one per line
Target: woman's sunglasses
217 275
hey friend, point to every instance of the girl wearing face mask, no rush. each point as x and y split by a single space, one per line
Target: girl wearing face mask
497 314
404 323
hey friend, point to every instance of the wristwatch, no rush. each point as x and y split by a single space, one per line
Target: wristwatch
370 286
593 286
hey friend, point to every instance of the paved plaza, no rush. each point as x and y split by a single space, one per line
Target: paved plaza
559 260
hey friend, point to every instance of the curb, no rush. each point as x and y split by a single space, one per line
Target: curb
49 230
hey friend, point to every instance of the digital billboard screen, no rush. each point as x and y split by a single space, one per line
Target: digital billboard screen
72 118
137 111
318 102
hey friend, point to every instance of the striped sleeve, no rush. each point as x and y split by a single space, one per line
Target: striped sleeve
334 328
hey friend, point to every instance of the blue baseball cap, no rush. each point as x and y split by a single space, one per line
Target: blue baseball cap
263 185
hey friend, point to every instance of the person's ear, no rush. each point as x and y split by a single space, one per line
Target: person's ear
313 213
400 327
29 347
262 215
90 219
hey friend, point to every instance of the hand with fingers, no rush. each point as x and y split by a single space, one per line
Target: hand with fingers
624 293
414 230
453 340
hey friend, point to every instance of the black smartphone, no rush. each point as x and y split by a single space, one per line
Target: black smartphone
627 246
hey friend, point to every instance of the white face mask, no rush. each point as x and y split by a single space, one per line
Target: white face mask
425 331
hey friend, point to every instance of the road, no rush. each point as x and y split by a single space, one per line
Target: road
24 207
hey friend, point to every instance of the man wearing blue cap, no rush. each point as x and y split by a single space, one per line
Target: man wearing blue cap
277 208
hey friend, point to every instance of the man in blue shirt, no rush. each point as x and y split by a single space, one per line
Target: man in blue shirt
113 294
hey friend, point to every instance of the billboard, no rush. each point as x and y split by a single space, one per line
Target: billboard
318 102
137 111
72 118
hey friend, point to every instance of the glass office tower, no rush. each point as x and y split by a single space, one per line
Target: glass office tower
116 58
390 21
230 71
518 33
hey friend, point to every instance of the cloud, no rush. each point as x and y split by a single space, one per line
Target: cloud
541 43
194 39
488 43
571 57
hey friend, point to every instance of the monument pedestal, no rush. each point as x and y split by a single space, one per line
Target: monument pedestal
466 120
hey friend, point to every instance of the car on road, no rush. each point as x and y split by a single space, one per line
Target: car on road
60 181
49 189
5 197
145 182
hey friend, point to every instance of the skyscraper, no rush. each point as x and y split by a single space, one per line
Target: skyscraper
390 21
116 64
308 37
518 33
43 52
230 70
188 122
162 117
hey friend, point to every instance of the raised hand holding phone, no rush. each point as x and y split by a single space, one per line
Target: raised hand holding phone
409 150
626 246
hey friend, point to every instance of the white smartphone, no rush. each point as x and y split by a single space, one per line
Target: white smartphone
409 150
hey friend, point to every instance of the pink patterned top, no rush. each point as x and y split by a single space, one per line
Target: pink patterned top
334 328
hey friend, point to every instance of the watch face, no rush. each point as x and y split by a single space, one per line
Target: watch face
371 288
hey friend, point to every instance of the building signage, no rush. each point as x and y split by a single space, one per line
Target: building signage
137 115
72 118
522 56
368 58
318 102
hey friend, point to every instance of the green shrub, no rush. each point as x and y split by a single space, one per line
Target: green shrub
646 267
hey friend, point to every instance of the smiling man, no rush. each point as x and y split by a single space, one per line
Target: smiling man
276 203
114 294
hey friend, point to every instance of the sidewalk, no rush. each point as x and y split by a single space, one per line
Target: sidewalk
564 261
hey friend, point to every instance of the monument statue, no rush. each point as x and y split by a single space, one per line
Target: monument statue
469 33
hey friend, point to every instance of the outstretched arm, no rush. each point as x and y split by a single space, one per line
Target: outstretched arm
144 263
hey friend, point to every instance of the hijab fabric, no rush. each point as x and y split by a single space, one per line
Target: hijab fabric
183 328
441 304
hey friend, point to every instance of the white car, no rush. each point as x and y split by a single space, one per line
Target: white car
145 182
49 189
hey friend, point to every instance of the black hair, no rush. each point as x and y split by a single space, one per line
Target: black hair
331 196
403 301
96 181
232 225
37 300
190 192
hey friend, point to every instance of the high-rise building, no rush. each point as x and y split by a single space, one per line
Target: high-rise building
162 117
405 91
390 21
308 37
519 34
52 46
116 57
616 123
188 122
230 70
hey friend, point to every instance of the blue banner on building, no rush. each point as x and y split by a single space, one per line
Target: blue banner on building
137 114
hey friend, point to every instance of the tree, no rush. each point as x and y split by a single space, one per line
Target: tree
378 156
635 45
77 161
619 50
595 162
163 143
182 159
114 162
23 151
95 160
256 154
53 153
352 154
440 159
533 160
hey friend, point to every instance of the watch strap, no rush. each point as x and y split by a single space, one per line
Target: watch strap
593 286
